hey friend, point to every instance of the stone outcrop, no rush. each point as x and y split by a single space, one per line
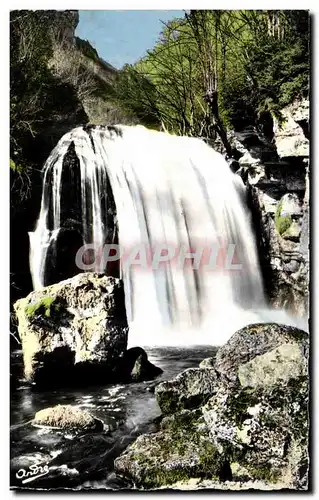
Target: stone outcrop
274 167
247 426
263 431
73 330
292 134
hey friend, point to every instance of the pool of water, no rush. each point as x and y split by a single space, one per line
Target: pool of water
86 461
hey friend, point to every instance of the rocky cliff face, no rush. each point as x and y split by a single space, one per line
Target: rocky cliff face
78 63
275 167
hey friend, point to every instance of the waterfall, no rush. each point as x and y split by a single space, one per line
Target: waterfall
171 193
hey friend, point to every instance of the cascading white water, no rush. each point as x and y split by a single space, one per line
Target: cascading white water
168 190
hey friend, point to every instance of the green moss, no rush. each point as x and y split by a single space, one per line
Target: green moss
265 473
168 401
160 477
46 306
209 457
238 403
282 222
169 455
185 421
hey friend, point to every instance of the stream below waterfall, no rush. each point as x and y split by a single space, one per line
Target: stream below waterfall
86 461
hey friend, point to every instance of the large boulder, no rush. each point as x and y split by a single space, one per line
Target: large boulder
189 389
181 449
73 331
286 362
254 340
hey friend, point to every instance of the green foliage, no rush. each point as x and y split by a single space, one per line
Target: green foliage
15 166
135 93
38 98
282 222
253 60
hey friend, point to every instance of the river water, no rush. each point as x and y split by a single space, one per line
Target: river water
86 461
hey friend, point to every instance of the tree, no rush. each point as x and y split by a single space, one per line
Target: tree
38 97
214 70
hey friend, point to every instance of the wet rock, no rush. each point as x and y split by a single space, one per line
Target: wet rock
255 340
189 389
136 367
74 331
151 388
181 449
67 418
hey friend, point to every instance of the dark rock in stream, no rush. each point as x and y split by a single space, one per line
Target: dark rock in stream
136 367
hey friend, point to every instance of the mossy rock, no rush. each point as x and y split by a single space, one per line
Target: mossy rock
182 449
73 332
283 363
293 232
208 362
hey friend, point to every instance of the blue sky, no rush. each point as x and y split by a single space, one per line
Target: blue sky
123 36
